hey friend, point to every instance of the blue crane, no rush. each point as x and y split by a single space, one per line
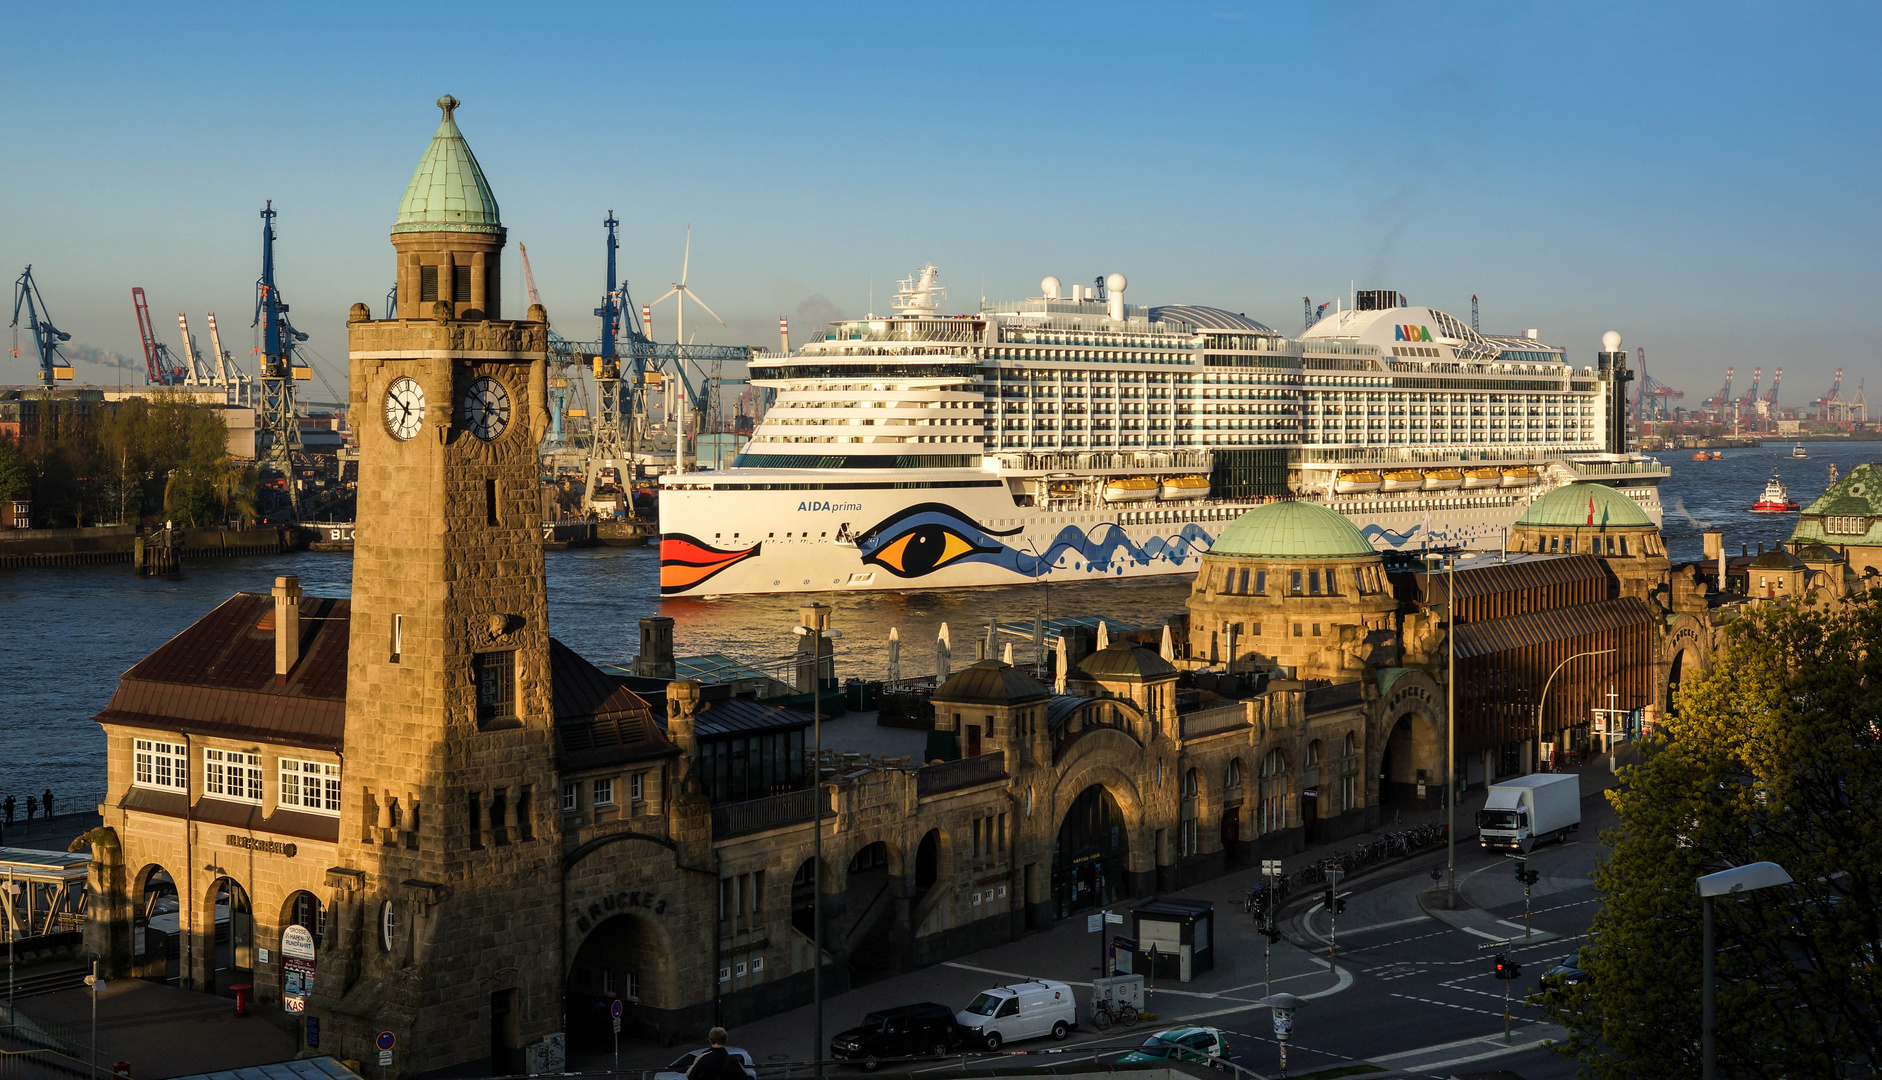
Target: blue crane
278 423
46 337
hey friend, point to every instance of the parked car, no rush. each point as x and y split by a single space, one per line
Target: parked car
1198 1045
677 1070
904 1031
1021 1011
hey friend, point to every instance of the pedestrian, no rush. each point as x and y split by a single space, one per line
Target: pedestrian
46 801
9 806
716 1063
32 807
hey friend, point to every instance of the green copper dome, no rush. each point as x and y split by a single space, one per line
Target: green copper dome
1584 505
448 192
1855 502
1292 530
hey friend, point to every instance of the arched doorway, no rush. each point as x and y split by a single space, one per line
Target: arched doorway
156 941
928 862
1232 811
1684 664
804 898
1411 763
234 952
1090 860
619 960
303 924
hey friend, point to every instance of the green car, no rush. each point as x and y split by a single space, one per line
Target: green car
1202 1045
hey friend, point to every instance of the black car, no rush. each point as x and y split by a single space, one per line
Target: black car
904 1031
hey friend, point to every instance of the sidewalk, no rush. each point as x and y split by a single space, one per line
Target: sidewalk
162 1030
43 835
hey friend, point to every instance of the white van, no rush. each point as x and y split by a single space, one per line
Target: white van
1020 1011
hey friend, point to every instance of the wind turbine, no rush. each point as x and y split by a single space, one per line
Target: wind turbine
679 294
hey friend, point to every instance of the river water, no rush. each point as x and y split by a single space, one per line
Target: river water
70 633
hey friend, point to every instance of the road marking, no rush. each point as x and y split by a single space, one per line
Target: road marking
1475 1040
1482 933
1389 925
1497 1052
1447 1004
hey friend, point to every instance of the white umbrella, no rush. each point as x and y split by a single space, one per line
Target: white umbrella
1058 679
1007 658
1104 635
895 656
1169 648
942 654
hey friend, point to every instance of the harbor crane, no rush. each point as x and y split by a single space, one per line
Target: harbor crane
161 366
1652 403
1751 395
278 423
1725 395
1770 396
46 337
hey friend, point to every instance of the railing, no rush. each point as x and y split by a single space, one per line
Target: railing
1327 698
770 812
1212 721
953 775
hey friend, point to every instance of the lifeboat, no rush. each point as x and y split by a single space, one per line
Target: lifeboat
1775 499
1488 476
1062 489
1708 455
1353 483
1443 479
1403 480
1130 489
1176 488
1519 476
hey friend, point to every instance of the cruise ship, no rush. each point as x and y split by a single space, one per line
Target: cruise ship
1073 436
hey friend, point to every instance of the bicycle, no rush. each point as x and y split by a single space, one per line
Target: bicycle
1103 1015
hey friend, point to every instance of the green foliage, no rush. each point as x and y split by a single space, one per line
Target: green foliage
92 462
1775 755
15 479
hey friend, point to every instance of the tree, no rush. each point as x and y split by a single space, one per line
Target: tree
1775 755
14 477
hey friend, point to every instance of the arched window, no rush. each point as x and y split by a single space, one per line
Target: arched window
1271 813
1310 769
1349 773
1234 777
1192 783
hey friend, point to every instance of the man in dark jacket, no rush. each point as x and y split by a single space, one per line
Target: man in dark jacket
716 1063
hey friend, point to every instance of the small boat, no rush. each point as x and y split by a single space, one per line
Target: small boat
1062 489
1486 476
1361 480
1798 451
1403 480
1130 488
1176 488
1708 455
1519 476
1443 479
1775 499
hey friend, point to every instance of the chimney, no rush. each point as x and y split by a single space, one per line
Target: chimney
682 708
1761 547
287 626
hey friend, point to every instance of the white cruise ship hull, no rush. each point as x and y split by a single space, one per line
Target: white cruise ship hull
727 541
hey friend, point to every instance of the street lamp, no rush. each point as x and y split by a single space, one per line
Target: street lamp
1748 878
818 637
1544 700
1450 726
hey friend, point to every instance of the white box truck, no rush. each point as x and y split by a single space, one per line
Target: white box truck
1521 813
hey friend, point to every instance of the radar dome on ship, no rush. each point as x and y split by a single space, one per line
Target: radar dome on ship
1116 283
1611 341
1049 288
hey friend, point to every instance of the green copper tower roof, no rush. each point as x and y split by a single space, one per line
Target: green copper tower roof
448 192
1585 505
1849 512
1292 530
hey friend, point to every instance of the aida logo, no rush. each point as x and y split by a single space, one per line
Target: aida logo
1411 333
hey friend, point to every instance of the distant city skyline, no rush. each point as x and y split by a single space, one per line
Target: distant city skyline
1698 179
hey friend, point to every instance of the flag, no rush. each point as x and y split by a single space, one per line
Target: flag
1591 509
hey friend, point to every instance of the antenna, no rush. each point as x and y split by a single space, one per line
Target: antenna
1474 328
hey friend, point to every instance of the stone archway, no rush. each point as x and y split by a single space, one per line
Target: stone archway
1411 765
868 924
231 946
1687 663
1091 858
156 931
624 958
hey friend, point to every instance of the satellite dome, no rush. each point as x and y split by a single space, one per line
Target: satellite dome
1049 288
1611 341
1116 283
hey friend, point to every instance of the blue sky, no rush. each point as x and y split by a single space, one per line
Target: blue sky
1699 177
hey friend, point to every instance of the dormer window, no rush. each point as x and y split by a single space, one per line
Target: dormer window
1845 525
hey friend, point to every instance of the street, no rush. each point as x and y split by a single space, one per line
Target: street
1411 990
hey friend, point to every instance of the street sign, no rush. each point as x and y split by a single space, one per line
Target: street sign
1114 918
1271 867
1094 923
385 1057
617 1025
614 1010
385 1040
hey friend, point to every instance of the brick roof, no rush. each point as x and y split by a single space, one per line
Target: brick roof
217 678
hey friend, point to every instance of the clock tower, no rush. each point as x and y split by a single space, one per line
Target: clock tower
444 924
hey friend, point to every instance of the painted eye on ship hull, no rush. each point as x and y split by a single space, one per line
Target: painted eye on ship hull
925 549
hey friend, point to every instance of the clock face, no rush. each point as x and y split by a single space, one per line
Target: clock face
487 408
405 408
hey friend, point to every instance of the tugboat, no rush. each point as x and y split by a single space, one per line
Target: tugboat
1775 499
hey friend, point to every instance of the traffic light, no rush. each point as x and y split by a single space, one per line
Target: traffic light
1339 905
1530 877
1507 968
1273 935
1328 901
1522 869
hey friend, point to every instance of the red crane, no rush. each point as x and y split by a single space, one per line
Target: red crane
160 368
